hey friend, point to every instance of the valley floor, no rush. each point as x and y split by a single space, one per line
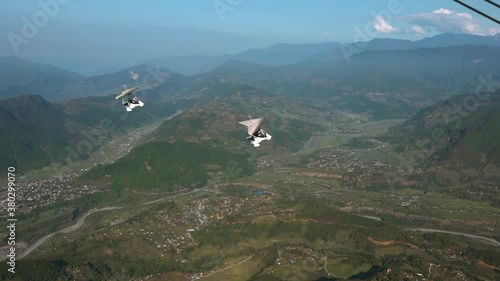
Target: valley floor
324 218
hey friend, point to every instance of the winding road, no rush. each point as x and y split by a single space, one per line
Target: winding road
486 240
74 227
173 196
225 268
81 221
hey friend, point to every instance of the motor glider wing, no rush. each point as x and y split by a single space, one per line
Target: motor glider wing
255 133
253 125
128 99
127 92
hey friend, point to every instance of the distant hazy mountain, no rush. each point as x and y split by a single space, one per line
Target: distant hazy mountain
20 77
280 54
455 69
391 83
346 51
438 41
189 65
456 39
111 84
284 54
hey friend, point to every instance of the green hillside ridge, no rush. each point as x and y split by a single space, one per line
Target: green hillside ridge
32 132
289 121
170 166
35 133
205 142
90 111
453 133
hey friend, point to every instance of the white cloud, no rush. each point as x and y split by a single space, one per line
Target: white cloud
449 21
417 29
443 11
381 25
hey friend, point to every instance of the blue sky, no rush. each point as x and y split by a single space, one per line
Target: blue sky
112 31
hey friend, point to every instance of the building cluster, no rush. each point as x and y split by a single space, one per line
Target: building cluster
345 160
33 194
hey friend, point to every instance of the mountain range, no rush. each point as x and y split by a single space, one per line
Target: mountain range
45 109
283 54
396 135
20 77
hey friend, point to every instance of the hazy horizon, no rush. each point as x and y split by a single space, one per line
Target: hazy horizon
91 36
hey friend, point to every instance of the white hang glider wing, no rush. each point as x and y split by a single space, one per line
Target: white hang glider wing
253 125
255 133
131 101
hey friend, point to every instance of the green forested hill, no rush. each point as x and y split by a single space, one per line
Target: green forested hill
206 140
458 131
35 132
32 132
290 120
171 166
